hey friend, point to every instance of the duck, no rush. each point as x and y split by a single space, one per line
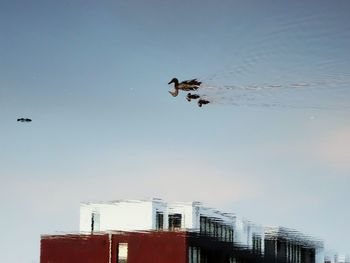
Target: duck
202 101
185 85
24 120
192 96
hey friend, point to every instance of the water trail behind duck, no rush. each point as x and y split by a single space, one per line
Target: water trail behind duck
318 95
294 60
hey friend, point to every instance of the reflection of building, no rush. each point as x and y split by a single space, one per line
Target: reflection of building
156 231
154 246
155 214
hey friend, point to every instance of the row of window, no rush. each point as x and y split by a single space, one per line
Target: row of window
215 228
293 253
285 249
208 226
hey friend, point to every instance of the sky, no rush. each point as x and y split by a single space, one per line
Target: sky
92 75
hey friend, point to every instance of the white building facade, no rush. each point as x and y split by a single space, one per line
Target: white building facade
156 214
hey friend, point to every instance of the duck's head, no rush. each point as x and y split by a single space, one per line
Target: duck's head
174 80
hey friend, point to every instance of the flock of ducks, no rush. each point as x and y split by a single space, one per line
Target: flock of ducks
188 85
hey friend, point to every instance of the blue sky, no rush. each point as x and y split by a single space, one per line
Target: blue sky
93 77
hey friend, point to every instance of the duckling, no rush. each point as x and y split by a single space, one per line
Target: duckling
202 101
192 96
186 85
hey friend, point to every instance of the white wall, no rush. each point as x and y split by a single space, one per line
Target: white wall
129 215
119 215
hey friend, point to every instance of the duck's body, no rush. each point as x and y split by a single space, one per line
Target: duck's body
24 120
202 101
190 96
186 85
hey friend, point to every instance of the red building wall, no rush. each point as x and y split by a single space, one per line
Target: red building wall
153 247
75 249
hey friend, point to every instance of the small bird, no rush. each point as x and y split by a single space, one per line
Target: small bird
202 101
192 96
186 85
24 120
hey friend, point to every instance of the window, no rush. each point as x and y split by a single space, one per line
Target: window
231 234
224 232
194 255
228 233
212 228
257 243
220 234
159 220
207 226
175 221
215 229
202 224
298 254
95 221
122 253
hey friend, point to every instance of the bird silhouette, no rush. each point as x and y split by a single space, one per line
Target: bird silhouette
202 101
190 96
24 120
